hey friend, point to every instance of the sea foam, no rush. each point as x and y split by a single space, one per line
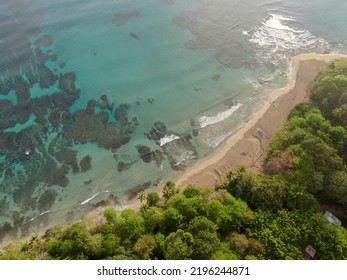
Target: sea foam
221 116
278 38
95 195
167 139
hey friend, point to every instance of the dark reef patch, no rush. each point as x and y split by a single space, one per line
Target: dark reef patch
67 85
7 114
43 154
132 193
147 155
134 35
176 151
86 126
122 166
45 41
68 156
216 77
120 19
47 76
46 200
86 163
158 131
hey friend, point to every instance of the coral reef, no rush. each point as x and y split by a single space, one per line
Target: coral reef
120 19
86 163
37 159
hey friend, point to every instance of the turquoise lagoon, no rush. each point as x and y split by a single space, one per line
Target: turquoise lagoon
165 81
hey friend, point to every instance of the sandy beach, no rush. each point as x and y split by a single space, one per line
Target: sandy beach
248 145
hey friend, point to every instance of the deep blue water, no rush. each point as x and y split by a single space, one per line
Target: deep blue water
101 99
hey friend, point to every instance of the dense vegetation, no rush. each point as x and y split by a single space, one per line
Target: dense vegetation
273 215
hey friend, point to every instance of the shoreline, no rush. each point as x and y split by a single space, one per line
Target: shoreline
245 147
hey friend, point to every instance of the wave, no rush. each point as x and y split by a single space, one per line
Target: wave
278 38
280 17
276 22
184 156
221 116
95 195
167 139
41 214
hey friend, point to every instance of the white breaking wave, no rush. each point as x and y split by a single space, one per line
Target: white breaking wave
276 23
184 156
282 17
95 195
41 214
167 139
277 39
221 116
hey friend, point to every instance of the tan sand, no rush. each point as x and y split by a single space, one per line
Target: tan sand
247 146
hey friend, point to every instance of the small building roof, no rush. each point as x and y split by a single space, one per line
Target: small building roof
331 218
310 251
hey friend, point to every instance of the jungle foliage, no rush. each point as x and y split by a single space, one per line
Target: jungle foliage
272 215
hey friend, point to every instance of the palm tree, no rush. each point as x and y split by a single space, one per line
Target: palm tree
141 196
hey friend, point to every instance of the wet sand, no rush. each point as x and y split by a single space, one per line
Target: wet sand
247 146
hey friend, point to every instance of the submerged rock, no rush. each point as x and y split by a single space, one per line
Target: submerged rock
45 41
134 35
177 151
46 200
158 131
67 84
145 153
86 163
7 114
3 89
122 166
121 19
88 127
216 77
132 193
158 157
54 57
54 118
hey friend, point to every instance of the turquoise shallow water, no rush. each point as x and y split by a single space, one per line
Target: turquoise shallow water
102 99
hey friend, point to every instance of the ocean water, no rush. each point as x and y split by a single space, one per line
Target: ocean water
102 99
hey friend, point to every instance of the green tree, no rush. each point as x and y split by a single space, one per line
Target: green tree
141 196
206 241
110 215
178 245
187 207
191 191
76 243
330 240
154 219
152 199
336 189
172 220
110 245
129 227
144 246
224 253
284 233
169 190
